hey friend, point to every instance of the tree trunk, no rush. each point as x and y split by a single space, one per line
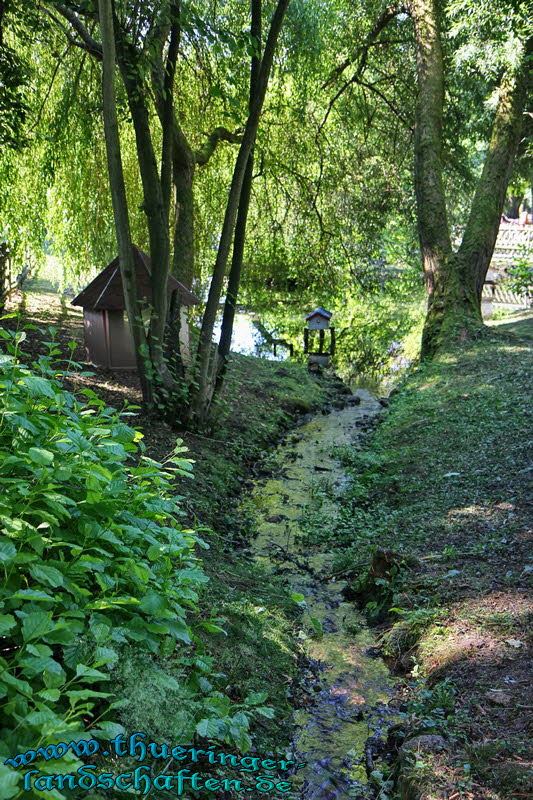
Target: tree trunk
433 228
242 216
205 347
155 210
118 195
183 169
454 281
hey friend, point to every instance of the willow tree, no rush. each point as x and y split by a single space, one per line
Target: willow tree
147 47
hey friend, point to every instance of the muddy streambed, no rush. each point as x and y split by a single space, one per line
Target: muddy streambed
350 700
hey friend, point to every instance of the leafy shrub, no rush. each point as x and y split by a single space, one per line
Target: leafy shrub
521 275
95 560
432 710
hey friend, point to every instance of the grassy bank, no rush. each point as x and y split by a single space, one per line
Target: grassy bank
443 486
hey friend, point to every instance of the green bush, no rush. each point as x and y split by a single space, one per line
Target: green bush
95 562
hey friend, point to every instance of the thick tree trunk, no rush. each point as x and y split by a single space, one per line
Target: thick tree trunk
455 280
205 347
118 195
183 169
433 230
155 210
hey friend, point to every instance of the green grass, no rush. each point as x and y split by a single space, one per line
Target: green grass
445 484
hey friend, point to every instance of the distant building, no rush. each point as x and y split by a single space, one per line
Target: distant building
108 339
514 242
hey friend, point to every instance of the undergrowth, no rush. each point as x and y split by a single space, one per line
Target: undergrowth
103 622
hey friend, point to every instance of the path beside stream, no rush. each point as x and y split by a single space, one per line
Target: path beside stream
351 699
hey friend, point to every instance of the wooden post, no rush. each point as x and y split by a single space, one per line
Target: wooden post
332 329
321 341
306 340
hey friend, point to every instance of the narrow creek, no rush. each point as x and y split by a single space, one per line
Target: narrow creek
350 702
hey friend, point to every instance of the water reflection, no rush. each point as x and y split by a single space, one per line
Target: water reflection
256 335
252 338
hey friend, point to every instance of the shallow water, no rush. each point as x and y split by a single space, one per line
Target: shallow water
352 703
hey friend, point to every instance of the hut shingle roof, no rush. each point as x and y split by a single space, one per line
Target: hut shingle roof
106 292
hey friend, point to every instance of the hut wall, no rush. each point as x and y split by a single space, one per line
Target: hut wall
109 343
96 340
121 350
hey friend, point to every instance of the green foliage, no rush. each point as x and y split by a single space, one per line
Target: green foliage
171 702
95 562
521 275
13 108
432 710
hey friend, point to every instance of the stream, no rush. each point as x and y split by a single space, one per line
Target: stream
350 702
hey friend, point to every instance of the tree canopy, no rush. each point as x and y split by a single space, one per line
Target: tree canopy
336 133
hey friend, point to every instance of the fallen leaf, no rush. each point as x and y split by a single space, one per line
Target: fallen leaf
514 642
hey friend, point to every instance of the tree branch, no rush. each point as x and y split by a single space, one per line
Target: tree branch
91 45
167 119
383 20
47 94
395 111
362 54
203 155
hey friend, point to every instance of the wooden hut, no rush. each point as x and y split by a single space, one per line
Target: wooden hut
108 339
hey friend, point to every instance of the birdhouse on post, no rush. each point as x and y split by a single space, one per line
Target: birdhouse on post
318 320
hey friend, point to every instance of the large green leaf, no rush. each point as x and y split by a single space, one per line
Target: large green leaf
7 622
208 728
36 625
31 594
40 456
9 782
153 602
8 551
89 674
45 574
38 387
